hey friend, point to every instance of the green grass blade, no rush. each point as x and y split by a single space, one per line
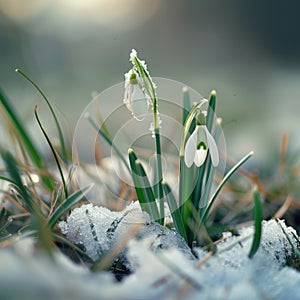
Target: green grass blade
108 140
175 212
143 188
211 111
186 101
209 173
60 134
20 128
65 241
149 193
137 185
55 155
186 104
67 204
258 216
225 179
185 200
8 179
15 174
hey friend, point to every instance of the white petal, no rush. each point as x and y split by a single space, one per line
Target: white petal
213 149
133 55
190 149
200 156
139 104
127 77
127 96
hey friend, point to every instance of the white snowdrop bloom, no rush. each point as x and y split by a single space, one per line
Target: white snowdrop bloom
134 97
197 146
143 76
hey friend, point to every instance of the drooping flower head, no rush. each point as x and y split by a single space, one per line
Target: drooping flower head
139 88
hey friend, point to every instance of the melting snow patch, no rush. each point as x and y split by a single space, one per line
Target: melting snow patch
165 274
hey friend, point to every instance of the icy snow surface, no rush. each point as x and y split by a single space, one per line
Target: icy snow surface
162 269
98 229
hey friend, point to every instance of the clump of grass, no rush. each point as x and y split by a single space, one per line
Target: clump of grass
36 198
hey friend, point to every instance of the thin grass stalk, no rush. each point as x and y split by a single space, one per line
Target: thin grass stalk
220 186
14 171
67 204
209 173
27 140
175 212
108 140
60 134
55 155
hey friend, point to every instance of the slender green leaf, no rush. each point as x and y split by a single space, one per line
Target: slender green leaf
258 216
187 108
143 188
209 173
107 138
175 212
67 204
55 155
148 192
60 134
211 111
15 174
225 179
18 124
65 241
8 180
137 185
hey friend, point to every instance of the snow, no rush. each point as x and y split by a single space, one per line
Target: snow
98 229
161 264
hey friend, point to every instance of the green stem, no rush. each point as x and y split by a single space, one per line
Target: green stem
159 189
150 90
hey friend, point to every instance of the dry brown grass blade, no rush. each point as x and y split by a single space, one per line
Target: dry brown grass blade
283 209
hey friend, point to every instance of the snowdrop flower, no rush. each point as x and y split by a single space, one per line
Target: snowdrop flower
134 98
139 87
197 146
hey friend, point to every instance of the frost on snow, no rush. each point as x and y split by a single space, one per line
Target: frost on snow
98 229
165 274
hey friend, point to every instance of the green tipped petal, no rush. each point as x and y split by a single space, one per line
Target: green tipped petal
214 154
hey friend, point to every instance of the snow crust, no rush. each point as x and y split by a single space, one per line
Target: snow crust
162 268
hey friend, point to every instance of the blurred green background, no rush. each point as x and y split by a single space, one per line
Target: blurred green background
249 51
